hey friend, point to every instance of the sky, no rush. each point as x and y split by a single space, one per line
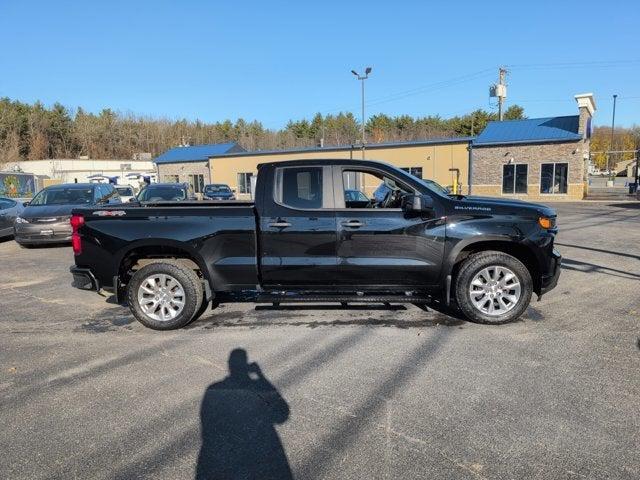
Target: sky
273 60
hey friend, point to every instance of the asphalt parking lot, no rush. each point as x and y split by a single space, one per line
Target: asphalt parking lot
86 392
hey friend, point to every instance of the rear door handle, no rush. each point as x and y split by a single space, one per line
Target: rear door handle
280 224
353 224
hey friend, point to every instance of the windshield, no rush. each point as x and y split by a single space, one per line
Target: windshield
435 186
159 193
217 189
125 191
63 196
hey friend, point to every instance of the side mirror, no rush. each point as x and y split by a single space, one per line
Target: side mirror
133 199
417 205
25 204
233 190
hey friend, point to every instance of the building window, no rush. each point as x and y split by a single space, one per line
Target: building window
514 178
172 178
415 171
197 183
553 177
244 182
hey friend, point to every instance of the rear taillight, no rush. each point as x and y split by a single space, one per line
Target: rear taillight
76 241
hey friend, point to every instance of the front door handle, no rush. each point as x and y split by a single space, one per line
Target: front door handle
280 224
353 224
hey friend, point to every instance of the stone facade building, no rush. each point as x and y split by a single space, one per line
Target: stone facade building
542 159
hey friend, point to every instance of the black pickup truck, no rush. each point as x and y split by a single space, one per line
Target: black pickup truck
303 240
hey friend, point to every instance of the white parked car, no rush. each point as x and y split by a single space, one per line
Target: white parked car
126 192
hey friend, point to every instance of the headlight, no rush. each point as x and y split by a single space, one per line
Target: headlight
21 220
547 222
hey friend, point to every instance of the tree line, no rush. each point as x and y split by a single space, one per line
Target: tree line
34 131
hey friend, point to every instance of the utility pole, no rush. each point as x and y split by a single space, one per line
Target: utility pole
637 175
613 126
501 91
362 78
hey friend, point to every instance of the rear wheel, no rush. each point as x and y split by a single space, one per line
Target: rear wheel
165 296
493 287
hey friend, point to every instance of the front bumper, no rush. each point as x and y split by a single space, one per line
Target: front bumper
83 279
549 282
34 233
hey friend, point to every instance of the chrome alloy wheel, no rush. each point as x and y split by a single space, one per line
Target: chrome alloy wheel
161 297
495 290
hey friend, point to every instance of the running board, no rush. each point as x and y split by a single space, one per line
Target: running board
315 298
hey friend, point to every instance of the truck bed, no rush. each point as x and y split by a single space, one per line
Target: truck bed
223 233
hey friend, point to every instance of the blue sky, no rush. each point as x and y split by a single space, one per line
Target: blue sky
273 61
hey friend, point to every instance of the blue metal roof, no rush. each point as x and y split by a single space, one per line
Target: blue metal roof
531 130
197 153
354 147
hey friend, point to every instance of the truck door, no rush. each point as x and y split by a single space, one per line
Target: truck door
297 243
377 244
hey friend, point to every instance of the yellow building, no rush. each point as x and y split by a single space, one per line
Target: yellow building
445 161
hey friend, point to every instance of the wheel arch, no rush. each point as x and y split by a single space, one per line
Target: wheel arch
518 250
158 249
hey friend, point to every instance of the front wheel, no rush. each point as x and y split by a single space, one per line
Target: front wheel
165 296
493 287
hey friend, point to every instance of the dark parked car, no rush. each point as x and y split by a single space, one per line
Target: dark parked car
46 217
166 192
9 210
300 242
355 199
219 191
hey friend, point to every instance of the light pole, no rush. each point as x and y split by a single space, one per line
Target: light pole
613 126
362 78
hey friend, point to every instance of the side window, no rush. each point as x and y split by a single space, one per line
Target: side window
244 182
113 193
301 187
371 189
553 177
514 178
97 193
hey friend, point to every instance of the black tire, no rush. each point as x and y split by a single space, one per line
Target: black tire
193 294
474 264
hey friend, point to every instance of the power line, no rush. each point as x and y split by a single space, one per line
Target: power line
593 64
431 87
423 89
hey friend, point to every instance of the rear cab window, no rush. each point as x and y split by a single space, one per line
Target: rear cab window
302 188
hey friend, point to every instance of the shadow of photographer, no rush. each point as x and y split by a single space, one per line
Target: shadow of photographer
238 416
